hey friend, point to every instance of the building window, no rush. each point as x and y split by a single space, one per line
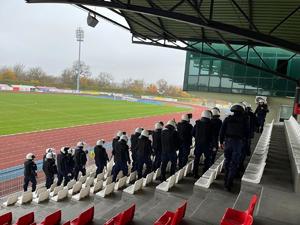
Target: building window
226 82
205 67
214 81
194 67
216 67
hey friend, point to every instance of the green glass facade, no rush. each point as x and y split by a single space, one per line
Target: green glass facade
206 73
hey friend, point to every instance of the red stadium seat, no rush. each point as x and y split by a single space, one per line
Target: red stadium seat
122 218
52 219
67 223
6 218
27 219
236 217
84 218
172 218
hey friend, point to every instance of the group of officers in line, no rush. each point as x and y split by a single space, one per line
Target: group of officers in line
169 143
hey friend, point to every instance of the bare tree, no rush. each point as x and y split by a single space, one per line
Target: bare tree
162 86
105 80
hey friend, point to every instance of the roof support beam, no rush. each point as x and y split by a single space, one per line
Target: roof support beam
212 25
176 5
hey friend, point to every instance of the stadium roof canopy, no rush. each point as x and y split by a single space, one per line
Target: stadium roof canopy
183 24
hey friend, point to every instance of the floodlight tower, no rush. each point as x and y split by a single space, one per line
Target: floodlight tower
79 38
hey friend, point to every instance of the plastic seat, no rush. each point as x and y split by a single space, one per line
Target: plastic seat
120 175
121 183
6 218
89 182
84 192
179 175
52 187
122 218
236 217
27 219
204 182
84 218
188 168
11 200
167 185
107 181
210 173
52 219
132 189
62 194
132 177
97 187
76 188
56 190
148 179
67 223
43 196
107 190
156 174
71 184
26 197
172 218
100 177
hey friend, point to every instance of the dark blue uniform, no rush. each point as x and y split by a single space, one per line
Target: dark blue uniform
261 113
101 158
157 148
185 133
80 161
170 144
144 150
216 126
62 169
121 158
202 132
30 174
50 170
234 132
134 146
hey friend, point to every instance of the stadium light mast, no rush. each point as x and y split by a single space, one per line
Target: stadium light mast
79 38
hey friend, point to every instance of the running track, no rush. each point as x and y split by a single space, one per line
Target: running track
15 147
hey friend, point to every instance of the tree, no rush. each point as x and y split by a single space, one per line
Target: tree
84 69
105 80
7 76
68 78
162 86
19 70
152 89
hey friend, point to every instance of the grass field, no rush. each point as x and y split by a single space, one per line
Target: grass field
32 112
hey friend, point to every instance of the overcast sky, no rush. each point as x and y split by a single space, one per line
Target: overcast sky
44 35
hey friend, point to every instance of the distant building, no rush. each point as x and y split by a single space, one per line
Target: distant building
210 74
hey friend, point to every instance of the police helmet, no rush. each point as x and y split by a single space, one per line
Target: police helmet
119 133
30 156
49 155
237 107
138 130
261 101
247 104
215 112
124 138
100 142
162 123
206 114
172 123
216 108
185 117
80 144
71 151
64 150
145 133
50 150
158 126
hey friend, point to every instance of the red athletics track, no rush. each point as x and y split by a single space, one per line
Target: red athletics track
15 147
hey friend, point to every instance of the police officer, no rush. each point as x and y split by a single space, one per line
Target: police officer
202 133
30 174
234 130
144 150
121 157
115 141
185 133
170 144
80 160
261 113
134 140
156 138
71 163
49 169
101 157
216 126
48 150
62 167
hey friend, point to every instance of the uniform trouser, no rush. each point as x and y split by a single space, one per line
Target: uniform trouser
183 155
233 153
119 166
199 150
157 161
49 180
140 167
214 154
28 179
134 162
261 123
77 170
100 168
62 177
168 157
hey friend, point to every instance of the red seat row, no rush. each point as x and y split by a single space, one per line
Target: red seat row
123 218
236 217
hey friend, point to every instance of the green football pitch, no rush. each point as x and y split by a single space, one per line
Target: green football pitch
22 112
